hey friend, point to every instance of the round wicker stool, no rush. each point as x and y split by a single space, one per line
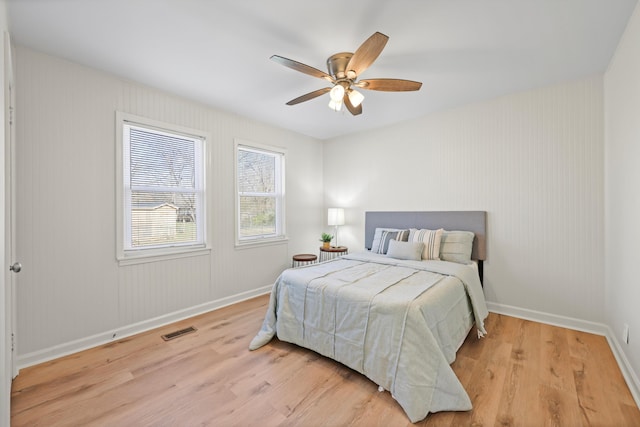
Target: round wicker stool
303 259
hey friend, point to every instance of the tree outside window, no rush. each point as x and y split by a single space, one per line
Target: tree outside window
260 178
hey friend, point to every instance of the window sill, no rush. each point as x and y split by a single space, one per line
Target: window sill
261 242
161 255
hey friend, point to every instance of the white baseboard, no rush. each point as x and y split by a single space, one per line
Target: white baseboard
629 374
579 325
44 355
549 319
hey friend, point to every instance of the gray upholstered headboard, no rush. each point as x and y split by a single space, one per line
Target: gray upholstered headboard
475 221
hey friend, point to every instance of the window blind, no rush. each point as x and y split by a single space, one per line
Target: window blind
163 189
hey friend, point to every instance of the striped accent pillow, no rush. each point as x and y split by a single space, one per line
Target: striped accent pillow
383 235
431 240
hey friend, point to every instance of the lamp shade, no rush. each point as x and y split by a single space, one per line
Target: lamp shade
335 216
355 97
335 106
336 93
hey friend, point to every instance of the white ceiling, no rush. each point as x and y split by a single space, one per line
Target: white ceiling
217 51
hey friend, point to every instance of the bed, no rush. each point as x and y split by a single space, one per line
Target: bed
397 311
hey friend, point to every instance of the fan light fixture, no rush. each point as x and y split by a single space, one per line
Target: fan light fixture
355 97
336 94
335 105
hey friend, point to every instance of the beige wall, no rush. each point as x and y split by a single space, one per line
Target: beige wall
533 161
622 207
72 293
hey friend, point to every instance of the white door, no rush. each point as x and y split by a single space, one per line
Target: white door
7 279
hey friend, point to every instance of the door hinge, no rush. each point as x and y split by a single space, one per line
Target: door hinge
13 341
10 115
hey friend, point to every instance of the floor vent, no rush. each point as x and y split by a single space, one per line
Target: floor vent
179 333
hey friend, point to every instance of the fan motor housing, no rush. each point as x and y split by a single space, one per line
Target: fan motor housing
337 64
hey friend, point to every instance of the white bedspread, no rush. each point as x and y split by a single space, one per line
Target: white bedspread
361 310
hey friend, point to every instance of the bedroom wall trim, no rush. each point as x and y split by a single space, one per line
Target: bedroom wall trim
47 354
548 318
628 373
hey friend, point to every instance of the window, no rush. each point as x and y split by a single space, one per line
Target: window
162 206
260 193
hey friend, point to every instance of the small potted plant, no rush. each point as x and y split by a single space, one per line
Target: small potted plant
326 240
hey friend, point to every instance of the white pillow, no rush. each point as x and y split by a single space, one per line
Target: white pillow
405 250
431 240
456 246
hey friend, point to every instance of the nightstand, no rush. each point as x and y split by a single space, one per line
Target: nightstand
303 259
332 252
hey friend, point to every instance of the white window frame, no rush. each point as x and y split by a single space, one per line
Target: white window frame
280 154
126 255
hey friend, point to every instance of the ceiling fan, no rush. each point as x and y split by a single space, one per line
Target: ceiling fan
344 69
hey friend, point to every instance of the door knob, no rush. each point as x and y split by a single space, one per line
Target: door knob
16 267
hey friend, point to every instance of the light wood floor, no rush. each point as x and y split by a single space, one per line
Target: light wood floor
522 374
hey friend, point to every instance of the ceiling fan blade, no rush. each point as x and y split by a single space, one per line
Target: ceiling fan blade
353 110
308 96
303 68
389 85
367 53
